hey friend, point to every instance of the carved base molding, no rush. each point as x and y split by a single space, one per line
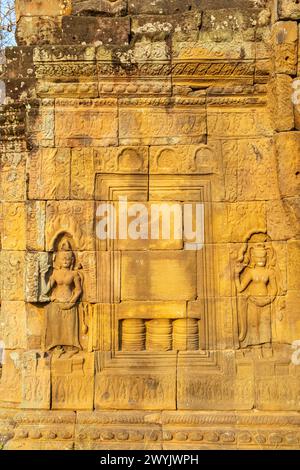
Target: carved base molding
148 430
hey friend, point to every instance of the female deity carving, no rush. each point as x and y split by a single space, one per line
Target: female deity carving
256 282
63 290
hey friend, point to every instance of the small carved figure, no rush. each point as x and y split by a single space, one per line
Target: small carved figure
255 278
65 289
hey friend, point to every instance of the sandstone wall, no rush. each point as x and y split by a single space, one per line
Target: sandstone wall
190 101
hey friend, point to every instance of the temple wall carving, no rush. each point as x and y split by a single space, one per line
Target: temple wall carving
151 342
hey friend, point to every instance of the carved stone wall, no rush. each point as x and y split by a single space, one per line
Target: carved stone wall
144 344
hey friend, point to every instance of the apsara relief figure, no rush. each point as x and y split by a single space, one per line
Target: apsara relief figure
64 289
257 286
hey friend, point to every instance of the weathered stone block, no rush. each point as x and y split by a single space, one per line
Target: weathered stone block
264 61
233 222
40 124
241 4
74 218
241 123
257 170
200 390
288 163
12 271
36 381
49 174
42 7
285 37
39 30
158 27
35 326
225 312
12 127
225 24
99 7
35 261
224 266
130 160
95 30
61 54
13 171
19 63
288 326
293 263
296 101
88 270
108 276
150 309
35 225
87 163
161 7
185 159
277 386
209 49
155 126
158 276
14 226
282 219
289 9
85 122
147 389
20 88
82 173
72 382
13 325
281 103
11 382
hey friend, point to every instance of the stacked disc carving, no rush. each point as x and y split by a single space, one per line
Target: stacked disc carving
133 335
159 335
185 335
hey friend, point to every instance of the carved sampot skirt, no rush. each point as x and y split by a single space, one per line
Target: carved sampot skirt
62 326
258 322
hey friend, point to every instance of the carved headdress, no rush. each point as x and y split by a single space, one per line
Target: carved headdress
257 244
63 246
